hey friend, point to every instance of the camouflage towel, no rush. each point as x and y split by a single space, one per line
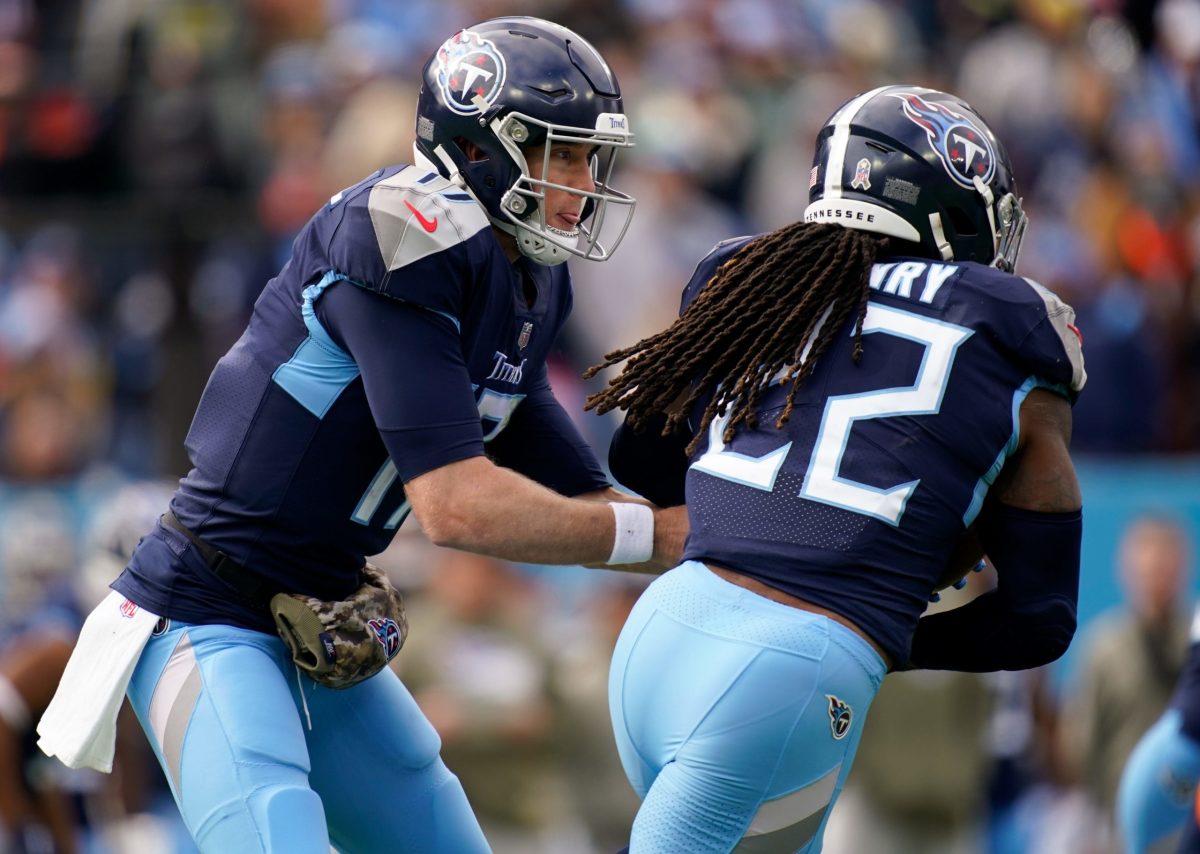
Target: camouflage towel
341 643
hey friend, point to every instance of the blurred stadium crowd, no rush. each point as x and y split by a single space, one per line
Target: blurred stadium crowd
157 157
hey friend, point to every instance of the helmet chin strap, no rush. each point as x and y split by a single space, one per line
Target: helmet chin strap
939 236
536 249
452 171
989 203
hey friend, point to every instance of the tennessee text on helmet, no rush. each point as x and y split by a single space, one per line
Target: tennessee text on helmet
509 85
922 166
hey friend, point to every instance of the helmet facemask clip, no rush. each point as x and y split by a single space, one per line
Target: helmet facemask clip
1013 221
1007 221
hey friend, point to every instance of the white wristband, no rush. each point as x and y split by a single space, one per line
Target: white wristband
634 540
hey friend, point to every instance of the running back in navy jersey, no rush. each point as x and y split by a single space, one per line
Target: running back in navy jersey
335 395
857 503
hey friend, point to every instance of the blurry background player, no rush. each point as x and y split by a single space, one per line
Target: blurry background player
479 666
43 806
1131 657
1134 657
35 814
410 326
1157 792
846 403
39 617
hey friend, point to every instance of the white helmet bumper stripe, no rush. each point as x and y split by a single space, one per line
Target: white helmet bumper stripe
836 163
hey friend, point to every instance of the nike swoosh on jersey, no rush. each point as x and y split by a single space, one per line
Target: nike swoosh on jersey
429 225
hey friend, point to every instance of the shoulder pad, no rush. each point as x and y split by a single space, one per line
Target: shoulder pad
416 214
709 265
1029 320
733 243
1061 319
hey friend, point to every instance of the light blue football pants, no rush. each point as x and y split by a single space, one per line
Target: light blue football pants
736 717
223 711
1158 786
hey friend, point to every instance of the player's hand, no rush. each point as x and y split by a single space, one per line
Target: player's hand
935 596
962 582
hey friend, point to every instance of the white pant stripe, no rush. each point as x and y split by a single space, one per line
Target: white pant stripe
172 704
781 812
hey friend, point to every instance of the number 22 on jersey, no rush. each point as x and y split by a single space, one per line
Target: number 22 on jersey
822 481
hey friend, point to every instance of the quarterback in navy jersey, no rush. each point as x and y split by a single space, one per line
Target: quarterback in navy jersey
396 364
855 407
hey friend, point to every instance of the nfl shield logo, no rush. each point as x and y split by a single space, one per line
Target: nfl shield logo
523 338
128 609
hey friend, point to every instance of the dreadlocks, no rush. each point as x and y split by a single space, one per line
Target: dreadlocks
783 293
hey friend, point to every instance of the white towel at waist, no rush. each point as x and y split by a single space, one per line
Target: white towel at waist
80 724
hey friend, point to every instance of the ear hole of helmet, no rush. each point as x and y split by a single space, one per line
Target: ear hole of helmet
467 147
961 222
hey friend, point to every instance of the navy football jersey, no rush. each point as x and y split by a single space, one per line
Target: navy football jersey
398 338
857 502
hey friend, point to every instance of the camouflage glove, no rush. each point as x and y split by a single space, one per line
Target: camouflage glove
341 643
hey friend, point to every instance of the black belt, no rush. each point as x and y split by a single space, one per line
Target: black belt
251 587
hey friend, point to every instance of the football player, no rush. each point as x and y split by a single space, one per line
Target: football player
1157 794
847 404
406 336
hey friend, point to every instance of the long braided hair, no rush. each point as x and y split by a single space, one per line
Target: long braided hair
782 293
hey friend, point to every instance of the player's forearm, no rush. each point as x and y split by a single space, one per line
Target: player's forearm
612 494
988 634
477 506
503 514
1030 618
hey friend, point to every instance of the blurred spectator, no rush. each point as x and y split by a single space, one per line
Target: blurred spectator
479 671
187 140
919 781
112 533
35 814
637 292
600 792
1027 783
38 555
44 806
1133 657
52 400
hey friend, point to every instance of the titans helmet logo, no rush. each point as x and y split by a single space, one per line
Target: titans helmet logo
469 67
964 149
388 634
840 716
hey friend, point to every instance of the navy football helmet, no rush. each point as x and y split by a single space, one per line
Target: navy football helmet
922 166
511 84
